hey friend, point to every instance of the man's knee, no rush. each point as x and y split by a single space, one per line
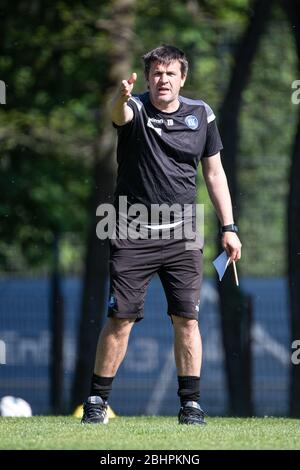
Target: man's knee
186 326
119 326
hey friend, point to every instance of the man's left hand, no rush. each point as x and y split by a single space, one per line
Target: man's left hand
231 243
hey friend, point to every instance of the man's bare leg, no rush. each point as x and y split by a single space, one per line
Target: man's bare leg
112 346
187 346
188 358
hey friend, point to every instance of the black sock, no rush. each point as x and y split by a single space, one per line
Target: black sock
101 386
188 389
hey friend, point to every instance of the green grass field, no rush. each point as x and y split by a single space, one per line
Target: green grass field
148 433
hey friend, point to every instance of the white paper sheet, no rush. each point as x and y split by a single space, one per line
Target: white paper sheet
221 263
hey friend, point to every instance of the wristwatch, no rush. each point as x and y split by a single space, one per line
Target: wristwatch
229 228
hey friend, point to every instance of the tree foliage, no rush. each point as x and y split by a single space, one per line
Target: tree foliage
53 59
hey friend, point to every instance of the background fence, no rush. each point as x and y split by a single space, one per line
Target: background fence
146 382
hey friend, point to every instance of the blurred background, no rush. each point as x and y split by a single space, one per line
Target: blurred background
60 62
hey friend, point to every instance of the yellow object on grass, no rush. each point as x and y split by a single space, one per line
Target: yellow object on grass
79 412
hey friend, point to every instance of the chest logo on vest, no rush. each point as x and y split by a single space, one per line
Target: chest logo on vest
158 121
191 121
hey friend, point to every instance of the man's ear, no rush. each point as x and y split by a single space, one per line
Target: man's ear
183 79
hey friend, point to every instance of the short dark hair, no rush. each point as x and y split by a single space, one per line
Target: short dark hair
165 54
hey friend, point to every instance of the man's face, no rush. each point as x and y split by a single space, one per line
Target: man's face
165 82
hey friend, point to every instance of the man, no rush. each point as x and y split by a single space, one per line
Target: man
162 137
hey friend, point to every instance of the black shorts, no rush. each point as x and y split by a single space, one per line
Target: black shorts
133 263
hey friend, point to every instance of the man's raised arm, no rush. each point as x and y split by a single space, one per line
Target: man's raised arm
121 113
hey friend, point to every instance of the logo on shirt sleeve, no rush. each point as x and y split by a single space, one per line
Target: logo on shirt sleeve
112 302
192 122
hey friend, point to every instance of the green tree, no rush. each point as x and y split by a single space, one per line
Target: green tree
234 308
119 34
52 65
292 9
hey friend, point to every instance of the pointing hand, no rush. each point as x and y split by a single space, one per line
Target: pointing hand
127 86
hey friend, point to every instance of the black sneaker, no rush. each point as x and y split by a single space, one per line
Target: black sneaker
95 411
191 413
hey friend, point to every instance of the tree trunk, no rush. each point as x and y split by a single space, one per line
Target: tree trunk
294 267
292 8
57 334
93 309
234 306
